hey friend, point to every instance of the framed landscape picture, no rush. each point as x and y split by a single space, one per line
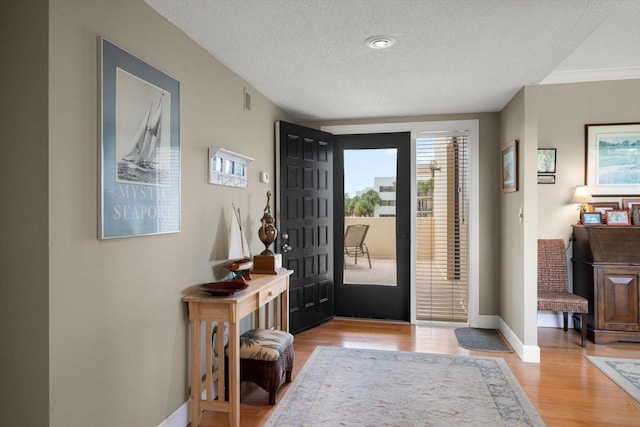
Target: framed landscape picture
612 157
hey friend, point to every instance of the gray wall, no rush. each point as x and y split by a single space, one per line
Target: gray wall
24 257
518 291
118 328
512 121
549 116
563 112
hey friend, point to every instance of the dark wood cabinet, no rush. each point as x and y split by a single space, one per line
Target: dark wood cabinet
606 271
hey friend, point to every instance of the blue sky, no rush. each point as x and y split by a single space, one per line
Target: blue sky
361 166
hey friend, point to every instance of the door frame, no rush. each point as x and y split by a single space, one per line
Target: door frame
363 300
415 128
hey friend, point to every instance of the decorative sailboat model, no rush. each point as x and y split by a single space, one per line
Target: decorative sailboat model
240 261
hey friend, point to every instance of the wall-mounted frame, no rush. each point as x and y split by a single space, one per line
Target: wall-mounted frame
591 218
228 168
612 151
546 179
139 155
546 160
618 217
510 167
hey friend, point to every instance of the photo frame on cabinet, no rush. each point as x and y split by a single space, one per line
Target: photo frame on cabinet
510 167
635 214
618 217
591 218
139 154
602 206
626 203
611 153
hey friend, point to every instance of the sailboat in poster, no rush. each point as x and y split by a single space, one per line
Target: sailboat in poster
240 261
144 154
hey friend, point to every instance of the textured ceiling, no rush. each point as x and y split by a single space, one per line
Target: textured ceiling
453 56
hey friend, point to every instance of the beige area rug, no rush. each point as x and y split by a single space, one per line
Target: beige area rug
356 387
624 372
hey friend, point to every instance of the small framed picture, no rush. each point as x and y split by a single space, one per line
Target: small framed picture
597 206
546 179
618 217
591 218
602 208
626 203
546 160
510 167
635 214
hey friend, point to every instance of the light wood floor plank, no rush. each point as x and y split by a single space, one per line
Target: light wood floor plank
566 389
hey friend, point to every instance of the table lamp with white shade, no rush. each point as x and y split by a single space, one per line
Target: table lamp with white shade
581 196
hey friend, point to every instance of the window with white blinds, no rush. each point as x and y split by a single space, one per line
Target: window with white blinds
442 173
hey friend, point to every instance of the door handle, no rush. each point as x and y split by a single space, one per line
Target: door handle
285 247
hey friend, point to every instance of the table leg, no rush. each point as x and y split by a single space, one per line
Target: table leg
284 308
234 375
196 382
267 316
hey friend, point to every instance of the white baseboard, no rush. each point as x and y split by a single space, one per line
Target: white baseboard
179 417
528 353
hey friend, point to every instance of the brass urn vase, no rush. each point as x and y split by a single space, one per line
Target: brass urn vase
267 231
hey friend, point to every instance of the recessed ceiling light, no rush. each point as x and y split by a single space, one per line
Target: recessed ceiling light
380 42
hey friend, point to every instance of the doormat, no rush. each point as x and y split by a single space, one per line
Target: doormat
359 387
624 372
482 340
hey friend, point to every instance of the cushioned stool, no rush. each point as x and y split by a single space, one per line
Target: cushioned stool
265 355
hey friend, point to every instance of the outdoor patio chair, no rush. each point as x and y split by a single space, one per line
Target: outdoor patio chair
354 245
553 285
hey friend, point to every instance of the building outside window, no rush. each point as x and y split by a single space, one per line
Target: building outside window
387 192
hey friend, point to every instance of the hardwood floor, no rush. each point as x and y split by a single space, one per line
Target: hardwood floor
565 388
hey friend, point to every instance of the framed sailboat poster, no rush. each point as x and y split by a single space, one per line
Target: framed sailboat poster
139 148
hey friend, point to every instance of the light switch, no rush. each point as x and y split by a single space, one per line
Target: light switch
264 177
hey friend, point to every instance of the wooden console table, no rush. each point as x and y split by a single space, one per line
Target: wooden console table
606 271
229 309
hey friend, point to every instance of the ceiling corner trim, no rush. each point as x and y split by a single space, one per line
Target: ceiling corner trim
574 76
